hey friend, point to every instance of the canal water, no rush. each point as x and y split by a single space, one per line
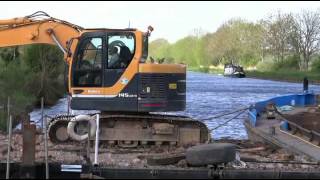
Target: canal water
209 95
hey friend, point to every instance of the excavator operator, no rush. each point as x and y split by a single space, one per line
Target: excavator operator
113 58
125 56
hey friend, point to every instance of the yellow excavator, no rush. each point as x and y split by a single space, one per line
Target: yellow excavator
107 71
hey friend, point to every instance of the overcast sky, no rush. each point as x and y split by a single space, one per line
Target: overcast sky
171 20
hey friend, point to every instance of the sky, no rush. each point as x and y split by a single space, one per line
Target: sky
171 20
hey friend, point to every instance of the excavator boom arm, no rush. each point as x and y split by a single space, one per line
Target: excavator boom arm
28 30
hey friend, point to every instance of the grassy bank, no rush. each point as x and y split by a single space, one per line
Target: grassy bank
211 70
287 76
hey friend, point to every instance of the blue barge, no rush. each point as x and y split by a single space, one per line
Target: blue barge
291 122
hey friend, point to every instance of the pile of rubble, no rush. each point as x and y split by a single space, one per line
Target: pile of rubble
248 155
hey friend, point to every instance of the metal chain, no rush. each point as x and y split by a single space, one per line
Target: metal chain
225 114
227 121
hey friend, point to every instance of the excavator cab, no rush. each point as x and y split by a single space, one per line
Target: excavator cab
109 73
100 60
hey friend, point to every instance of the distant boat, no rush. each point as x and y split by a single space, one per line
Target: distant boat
231 70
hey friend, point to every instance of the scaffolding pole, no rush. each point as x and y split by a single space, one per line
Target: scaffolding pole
46 147
96 148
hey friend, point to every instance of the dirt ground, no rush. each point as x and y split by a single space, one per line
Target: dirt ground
137 158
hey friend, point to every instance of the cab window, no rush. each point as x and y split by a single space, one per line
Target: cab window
91 54
121 49
88 67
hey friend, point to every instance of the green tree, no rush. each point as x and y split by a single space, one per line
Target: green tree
279 31
36 73
46 63
306 39
187 50
9 54
236 41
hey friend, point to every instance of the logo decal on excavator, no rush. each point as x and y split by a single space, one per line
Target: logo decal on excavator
127 95
124 81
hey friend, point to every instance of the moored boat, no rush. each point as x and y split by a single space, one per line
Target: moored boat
231 70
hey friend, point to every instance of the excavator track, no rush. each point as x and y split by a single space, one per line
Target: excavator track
57 128
132 130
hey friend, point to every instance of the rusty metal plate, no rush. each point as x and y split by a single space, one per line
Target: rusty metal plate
163 128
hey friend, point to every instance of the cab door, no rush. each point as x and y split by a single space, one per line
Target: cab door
120 48
87 67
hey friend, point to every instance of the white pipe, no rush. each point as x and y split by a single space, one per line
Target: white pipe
96 148
9 148
8 107
88 143
46 147
42 106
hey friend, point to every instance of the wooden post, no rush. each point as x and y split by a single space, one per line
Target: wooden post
27 169
29 144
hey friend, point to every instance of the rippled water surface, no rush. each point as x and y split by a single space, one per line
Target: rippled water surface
209 95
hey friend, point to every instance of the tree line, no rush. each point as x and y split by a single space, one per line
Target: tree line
279 41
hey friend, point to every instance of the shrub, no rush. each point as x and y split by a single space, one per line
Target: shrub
266 65
289 63
204 69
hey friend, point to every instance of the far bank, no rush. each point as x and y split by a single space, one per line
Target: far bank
280 75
